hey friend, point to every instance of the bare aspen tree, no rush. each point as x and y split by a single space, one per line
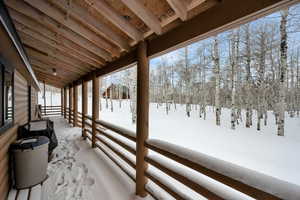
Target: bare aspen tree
232 57
216 60
248 76
283 68
187 88
298 83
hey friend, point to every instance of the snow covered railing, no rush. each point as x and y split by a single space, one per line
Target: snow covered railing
247 181
120 130
212 178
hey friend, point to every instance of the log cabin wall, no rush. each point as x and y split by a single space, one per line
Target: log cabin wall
34 102
5 140
21 110
21 99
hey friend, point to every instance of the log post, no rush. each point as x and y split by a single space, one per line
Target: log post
75 105
44 98
95 115
142 118
65 102
70 103
84 106
62 101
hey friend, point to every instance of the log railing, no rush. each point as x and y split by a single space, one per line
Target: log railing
51 110
209 177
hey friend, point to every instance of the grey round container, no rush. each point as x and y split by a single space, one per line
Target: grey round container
30 156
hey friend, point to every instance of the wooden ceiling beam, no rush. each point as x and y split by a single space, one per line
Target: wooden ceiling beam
180 8
107 11
43 20
60 17
56 62
51 77
137 7
41 47
205 5
52 83
49 72
70 52
39 31
82 15
47 66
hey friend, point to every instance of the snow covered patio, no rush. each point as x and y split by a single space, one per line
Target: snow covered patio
79 172
201 98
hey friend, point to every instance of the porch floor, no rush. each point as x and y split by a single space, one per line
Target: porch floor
79 172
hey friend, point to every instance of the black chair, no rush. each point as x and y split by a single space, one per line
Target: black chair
44 127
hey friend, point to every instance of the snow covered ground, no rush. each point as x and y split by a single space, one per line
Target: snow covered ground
78 172
262 151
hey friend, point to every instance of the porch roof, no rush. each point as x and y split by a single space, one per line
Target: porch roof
81 38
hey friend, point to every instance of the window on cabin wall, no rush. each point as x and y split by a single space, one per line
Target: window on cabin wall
6 96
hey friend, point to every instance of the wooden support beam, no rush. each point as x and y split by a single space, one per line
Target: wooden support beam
202 4
65 102
142 118
53 44
49 82
28 14
44 95
55 14
48 70
180 8
32 52
62 101
75 105
83 15
70 103
61 55
103 8
137 7
36 61
84 106
95 107
49 77
122 62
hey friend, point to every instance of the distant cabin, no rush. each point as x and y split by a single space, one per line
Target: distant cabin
117 91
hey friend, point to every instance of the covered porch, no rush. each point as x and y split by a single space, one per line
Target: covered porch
69 46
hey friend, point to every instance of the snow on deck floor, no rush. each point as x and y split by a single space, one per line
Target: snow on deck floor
78 172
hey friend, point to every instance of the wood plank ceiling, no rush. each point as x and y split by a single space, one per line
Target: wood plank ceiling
75 37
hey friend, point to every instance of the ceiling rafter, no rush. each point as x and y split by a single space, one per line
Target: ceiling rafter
144 14
54 78
107 11
35 53
205 4
48 65
97 26
57 15
50 82
180 8
41 20
49 73
23 29
42 47
60 73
